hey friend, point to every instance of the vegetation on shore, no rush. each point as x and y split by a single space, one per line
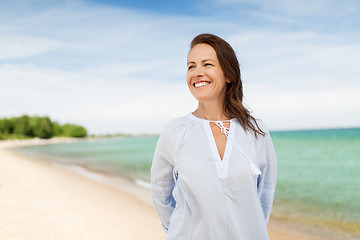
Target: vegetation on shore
41 127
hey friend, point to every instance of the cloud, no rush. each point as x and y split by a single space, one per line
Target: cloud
20 47
122 70
300 79
321 15
103 105
306 108
296 8
302 59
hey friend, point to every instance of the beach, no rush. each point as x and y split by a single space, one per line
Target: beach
40 200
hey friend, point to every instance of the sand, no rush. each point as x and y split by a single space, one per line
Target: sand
40 201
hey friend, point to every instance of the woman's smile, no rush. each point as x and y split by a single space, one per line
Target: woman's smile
205 78
201 84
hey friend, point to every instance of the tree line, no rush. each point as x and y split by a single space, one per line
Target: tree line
41 127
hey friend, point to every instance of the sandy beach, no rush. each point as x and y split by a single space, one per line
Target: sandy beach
41 201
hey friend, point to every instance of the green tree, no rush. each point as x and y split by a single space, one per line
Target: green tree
57 129
41 127
44 129
22 126
33 125
2 129
1 126
71 130
6 126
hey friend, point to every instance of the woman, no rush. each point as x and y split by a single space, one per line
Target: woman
214 171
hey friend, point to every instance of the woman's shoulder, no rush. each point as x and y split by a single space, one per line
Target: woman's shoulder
260 123
176 125
262 139
257 123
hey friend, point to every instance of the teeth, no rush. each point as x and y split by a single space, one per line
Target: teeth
200 84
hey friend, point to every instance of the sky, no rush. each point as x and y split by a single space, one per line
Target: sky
120 66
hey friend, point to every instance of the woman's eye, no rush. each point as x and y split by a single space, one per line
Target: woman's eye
190 67
207 64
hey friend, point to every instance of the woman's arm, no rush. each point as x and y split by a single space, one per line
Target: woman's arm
267 180
162 181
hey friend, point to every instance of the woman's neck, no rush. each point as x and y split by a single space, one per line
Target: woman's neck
213 111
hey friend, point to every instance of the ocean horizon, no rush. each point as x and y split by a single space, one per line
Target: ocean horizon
318 170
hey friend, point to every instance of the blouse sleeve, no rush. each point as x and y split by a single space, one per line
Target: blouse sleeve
267 180
162 181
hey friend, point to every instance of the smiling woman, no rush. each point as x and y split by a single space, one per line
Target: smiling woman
221 63
205 77
214 171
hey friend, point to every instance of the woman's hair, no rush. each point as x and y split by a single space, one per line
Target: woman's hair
233 107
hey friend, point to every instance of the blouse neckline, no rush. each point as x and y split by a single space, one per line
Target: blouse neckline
202 120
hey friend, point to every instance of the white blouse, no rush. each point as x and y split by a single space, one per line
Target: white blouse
199 196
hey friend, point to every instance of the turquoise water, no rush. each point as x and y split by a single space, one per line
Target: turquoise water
126 157
319 177
318 171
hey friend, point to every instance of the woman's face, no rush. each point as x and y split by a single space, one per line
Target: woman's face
205 78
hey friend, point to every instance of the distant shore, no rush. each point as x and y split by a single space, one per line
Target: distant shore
42 201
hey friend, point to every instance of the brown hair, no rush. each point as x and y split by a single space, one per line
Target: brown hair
233 107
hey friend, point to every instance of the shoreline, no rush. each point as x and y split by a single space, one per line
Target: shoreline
119 183
138 188
135 197
42 201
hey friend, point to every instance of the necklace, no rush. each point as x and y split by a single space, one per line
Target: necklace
226 131
223 129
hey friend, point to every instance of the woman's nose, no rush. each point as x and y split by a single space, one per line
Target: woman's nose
198 72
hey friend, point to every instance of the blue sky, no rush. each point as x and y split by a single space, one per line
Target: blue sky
120 66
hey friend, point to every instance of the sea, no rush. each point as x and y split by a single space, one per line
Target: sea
318 171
